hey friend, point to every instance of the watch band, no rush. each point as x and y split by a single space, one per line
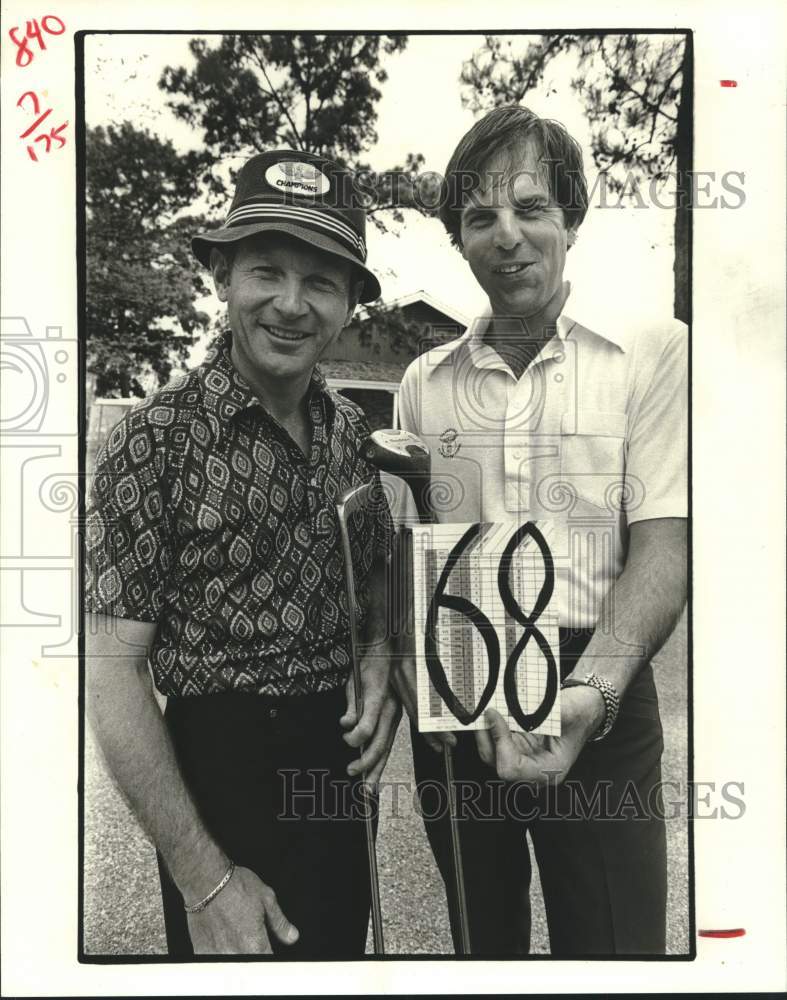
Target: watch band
611 701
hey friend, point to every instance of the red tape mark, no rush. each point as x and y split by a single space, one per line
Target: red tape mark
728 83
729 933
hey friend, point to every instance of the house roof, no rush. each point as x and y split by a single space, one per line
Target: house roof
368 371
421 296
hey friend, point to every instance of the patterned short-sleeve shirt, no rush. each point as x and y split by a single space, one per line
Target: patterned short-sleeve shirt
206 518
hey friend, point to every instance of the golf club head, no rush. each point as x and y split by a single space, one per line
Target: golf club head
405 455
398 452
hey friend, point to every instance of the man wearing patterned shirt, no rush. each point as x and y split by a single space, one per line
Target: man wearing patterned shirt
213 555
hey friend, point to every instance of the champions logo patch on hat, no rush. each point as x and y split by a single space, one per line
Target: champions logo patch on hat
301 195
300 178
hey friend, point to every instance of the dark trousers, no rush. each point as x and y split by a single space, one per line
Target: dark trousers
269 778
599 838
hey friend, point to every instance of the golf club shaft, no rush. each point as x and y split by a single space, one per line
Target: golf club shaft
404 455
456 850
427 517
419 487
347 503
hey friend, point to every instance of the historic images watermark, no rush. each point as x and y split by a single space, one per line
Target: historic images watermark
310 794
429 193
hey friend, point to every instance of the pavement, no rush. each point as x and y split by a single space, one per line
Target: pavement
122 914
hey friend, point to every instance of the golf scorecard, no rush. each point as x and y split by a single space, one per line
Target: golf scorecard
486 628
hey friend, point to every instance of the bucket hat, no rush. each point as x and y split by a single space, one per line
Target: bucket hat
304 195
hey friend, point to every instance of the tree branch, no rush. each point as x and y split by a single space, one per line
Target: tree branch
654 108
275 95
307 91
664 90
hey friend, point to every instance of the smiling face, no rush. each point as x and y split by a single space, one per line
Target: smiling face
287 302
514 235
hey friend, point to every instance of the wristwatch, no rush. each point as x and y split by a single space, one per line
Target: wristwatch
611 701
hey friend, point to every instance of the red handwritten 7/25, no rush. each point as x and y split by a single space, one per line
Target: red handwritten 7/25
47 137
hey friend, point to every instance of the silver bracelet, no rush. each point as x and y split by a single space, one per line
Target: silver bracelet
611 701
200 906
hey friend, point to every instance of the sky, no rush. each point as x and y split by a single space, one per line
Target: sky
620 268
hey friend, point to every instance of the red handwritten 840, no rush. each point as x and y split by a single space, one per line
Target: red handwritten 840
50 24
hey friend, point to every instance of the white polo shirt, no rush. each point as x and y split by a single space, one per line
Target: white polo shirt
593 436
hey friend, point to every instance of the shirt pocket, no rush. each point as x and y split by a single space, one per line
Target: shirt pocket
592 456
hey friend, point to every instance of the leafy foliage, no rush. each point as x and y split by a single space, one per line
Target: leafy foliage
317 93
141 280
630 86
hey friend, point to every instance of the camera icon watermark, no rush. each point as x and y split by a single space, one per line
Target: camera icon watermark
39 544
39 380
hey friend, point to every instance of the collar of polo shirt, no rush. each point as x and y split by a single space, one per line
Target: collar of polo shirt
484 356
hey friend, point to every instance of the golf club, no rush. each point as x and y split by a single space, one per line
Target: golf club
350 501
405 455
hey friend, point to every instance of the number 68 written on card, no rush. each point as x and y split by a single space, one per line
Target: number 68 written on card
500 601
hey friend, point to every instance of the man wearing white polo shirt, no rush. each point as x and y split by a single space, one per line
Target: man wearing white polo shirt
532 416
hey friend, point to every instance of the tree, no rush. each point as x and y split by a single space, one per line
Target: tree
317 93
637 95
141 280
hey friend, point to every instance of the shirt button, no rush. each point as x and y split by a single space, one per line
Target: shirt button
517 454
273 713
558 356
